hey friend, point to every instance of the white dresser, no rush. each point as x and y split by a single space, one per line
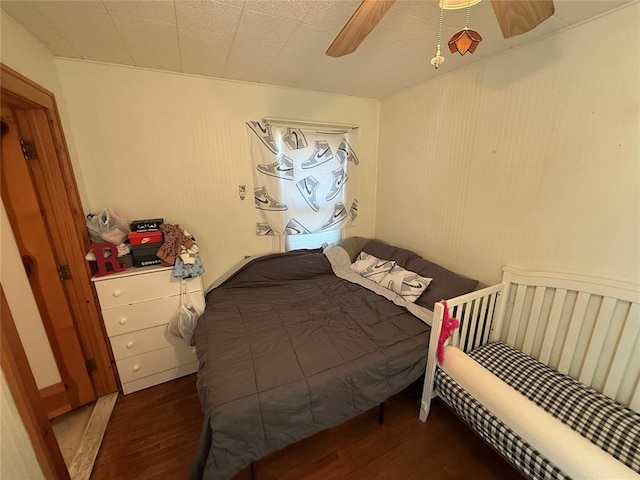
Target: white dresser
137 305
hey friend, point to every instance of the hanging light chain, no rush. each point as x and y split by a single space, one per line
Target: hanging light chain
438 58
441 22
466 22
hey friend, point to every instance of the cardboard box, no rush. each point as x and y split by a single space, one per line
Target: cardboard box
141 238
145 255
148 225
126 260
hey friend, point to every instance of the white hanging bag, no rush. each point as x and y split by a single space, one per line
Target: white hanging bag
184 321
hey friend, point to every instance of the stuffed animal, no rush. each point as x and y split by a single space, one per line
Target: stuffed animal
449 324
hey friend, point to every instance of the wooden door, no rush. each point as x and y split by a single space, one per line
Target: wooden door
30 226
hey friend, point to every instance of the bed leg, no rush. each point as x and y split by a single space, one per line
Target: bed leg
381 413
253 471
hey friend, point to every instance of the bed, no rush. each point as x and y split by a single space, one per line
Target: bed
545 368
297 342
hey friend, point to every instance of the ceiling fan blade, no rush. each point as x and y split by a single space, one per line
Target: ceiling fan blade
520 16
366 16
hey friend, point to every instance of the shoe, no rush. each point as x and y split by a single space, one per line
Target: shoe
346 153
263 229
339 179
295 228
378 270
264 201
265 135
281 168
307 187
320 155
339 214
353 211
295 139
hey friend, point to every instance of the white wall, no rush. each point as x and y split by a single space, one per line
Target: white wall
22 52
528 159
17 458
25 54
156 144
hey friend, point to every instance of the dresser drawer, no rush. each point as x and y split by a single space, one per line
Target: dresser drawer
124 290
161 377
141 341
128 318
156 361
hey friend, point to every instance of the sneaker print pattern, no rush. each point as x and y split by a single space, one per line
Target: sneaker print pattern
338 215
321 154
353 211
295 139
265 134
264 201
408 284
281 168
307 188
346 154
339 179
372 267
294 227
323 166
264 229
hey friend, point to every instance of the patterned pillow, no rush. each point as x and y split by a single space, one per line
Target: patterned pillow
372 267
408 284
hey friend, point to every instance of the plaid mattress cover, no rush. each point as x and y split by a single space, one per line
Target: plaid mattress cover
493 431
607 424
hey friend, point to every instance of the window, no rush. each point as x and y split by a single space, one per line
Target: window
315 240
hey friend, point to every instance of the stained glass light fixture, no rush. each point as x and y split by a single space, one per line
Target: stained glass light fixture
463 41
466 40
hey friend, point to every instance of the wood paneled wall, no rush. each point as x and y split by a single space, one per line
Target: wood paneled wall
16 453
154 144
527 159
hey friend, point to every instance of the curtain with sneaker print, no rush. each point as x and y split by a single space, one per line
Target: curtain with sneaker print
304 179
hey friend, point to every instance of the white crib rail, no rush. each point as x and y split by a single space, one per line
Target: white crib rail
475 311
585 327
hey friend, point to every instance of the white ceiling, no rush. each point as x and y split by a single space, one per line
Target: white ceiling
278 42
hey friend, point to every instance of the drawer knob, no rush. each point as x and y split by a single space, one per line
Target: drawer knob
117 293
123 320
130 345
193 350
136 368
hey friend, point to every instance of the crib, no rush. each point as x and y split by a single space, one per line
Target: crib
583 327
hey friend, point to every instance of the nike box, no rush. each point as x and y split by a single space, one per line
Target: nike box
147 225
144 255
141 238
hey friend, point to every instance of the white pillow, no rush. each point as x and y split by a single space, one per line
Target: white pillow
408 284
372 267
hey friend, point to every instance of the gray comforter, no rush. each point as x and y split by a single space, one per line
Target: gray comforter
287 349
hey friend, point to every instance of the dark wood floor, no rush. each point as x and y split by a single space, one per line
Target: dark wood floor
153 435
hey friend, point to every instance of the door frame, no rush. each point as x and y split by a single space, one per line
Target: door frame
54 179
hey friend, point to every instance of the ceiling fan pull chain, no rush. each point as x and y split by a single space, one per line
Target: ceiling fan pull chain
441 22
466 22
438 58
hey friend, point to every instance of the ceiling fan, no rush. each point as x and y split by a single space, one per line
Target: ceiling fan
514 17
